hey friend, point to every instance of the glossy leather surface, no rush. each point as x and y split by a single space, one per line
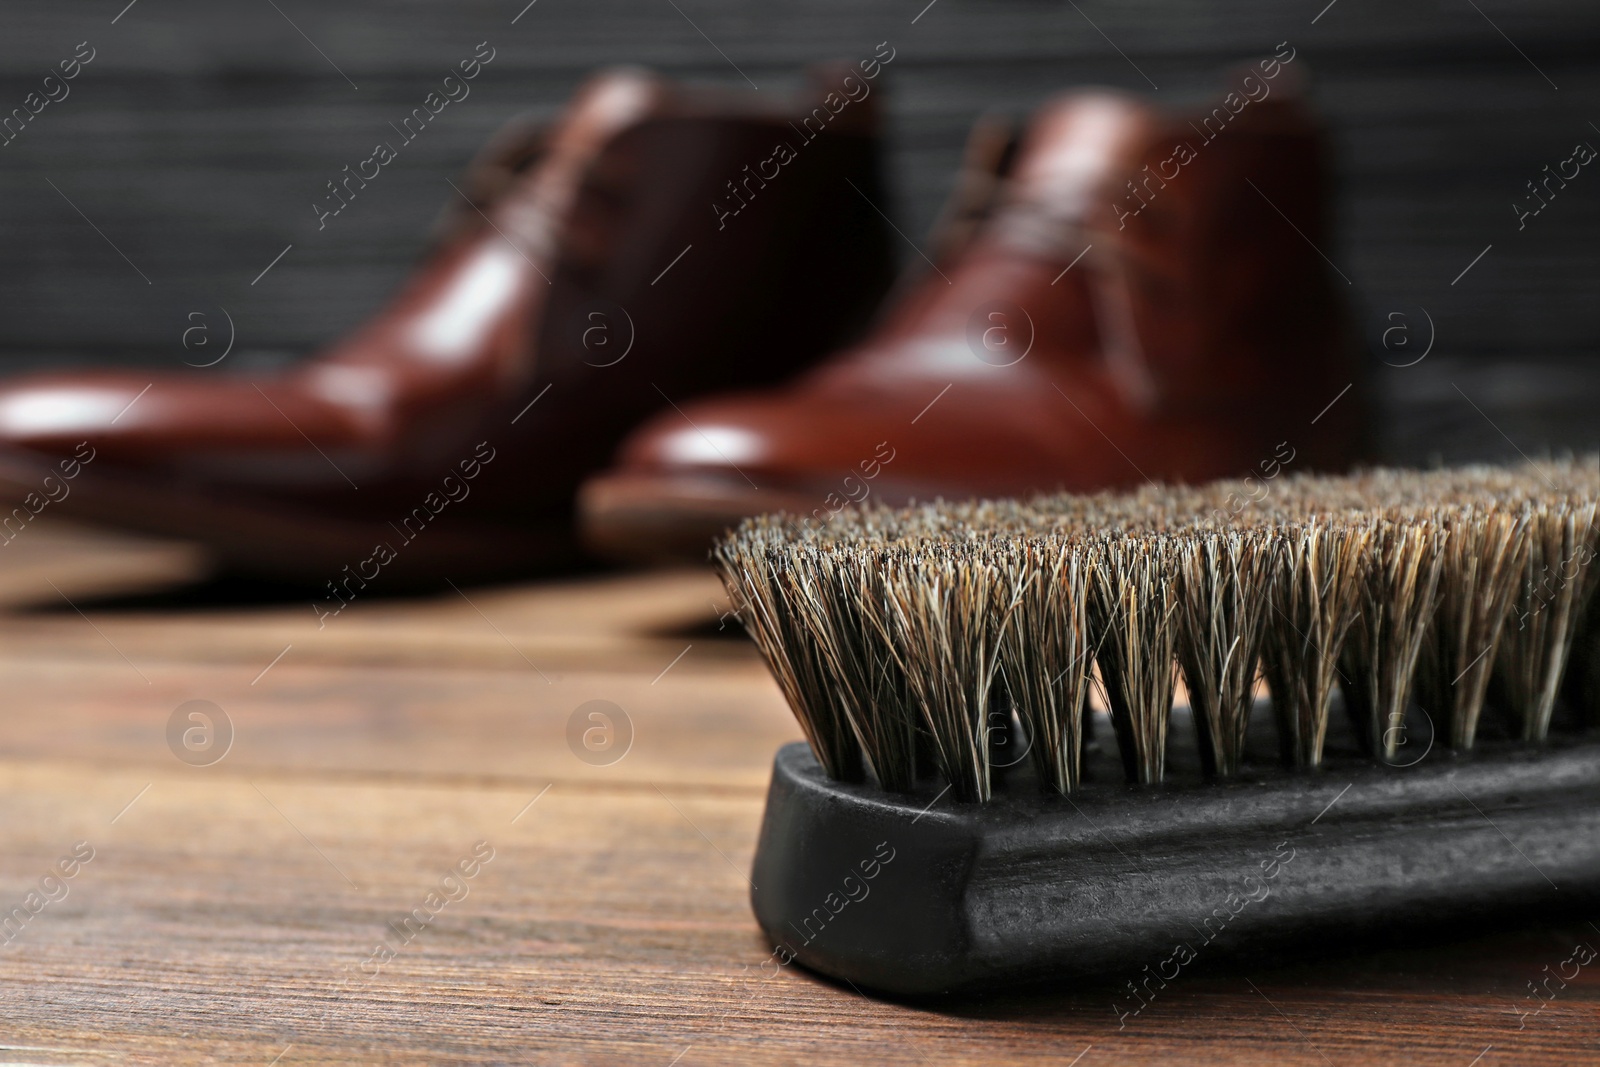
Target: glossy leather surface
589 276
1066 341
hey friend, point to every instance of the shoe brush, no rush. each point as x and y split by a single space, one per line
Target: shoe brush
1080 734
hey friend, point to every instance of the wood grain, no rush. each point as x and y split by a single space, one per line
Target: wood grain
231 912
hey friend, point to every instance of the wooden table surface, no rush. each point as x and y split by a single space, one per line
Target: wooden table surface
233 912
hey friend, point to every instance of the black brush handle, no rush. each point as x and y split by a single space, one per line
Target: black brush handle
909 894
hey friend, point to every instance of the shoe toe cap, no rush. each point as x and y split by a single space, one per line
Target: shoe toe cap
721 434
50 413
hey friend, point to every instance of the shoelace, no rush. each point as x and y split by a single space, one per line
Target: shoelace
492 173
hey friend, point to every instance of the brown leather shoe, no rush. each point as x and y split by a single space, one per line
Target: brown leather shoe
624 260
1143 298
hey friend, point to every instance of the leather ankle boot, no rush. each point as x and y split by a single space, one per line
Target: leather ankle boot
1118 296
652 244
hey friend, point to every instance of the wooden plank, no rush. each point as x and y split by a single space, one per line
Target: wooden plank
237 918
233 911
715 728
55 562
75 592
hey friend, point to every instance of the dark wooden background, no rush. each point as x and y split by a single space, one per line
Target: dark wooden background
202 132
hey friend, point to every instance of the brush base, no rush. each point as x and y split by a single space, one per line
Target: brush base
918 894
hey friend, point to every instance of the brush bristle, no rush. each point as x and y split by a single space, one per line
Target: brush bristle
901 636
1398 602
1221 617
1552 599
1046 658
1135 607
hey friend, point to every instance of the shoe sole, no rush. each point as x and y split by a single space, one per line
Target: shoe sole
275 541
657 517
